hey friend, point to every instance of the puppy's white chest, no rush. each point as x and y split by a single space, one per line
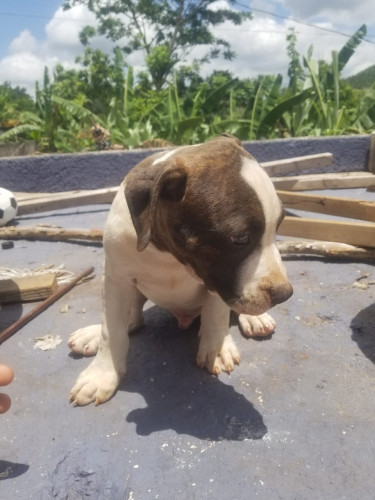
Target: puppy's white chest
167 283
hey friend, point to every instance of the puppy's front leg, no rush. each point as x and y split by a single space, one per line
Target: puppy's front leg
99 381
217 351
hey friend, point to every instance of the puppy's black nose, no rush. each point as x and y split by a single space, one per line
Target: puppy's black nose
280 293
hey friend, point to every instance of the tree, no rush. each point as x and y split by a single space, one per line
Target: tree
295 70
166 31
13 101
100 78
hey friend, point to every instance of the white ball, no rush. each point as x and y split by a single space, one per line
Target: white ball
8 206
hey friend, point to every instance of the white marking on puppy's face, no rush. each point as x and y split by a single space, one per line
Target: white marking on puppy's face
262 275
165 156
257 178
171 152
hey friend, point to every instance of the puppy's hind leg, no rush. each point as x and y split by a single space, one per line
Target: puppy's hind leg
256 326
136 313
99 381
86 340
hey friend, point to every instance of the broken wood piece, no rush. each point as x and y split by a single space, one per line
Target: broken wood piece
325 181
330 205
27 288
69 199
49 234
297 164
325 249
17 325
352 233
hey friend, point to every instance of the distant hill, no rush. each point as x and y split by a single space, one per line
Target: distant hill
362 80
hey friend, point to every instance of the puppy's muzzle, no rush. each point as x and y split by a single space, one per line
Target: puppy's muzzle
260 299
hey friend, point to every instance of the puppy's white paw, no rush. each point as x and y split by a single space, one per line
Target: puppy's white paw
217 360
85 341
256 326
97 383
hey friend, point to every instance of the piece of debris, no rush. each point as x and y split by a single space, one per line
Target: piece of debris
7 245
64 309
362 283
101 136
47 342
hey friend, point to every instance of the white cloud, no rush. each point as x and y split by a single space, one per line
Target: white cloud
28 57
22 69
63 29
260 43
24 42
339 12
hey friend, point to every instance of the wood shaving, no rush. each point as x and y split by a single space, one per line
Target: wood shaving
47 342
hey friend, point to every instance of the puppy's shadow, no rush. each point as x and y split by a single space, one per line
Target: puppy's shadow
179 395
363 328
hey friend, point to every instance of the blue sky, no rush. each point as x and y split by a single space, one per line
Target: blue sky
34 34
25 10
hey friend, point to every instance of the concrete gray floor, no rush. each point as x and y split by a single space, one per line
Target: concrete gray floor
294 421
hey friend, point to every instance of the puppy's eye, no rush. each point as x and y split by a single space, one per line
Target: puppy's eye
240 240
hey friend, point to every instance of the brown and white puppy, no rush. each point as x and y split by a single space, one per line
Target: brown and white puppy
193 230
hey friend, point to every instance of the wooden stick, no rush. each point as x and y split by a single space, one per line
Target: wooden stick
49 234
17 325
69 199
297 164
330 205
352 233
325 181
326 249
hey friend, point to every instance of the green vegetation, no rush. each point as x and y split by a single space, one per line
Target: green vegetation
104 103
363 80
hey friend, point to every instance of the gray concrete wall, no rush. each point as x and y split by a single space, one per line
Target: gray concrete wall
52 173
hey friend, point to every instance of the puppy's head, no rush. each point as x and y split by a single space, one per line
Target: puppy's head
214 208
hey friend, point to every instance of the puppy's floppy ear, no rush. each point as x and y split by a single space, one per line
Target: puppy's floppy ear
144 189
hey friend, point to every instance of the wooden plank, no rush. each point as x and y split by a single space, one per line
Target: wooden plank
69 199
297 164
27 288
331 205
325 181
23 196
352 233
371 157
